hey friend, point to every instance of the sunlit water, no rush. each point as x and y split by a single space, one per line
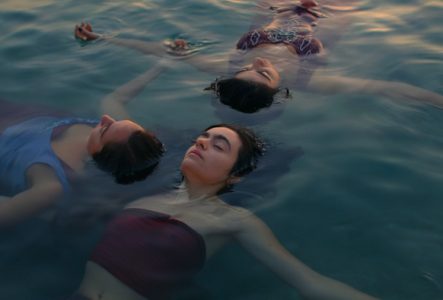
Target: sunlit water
363 204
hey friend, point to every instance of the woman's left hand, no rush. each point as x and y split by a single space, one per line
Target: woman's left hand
178 47
84 32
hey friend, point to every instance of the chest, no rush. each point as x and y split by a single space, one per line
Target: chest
208 219
70 146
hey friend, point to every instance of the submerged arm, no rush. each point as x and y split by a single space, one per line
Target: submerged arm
150 48
114 103
214 64
210 64
44 191
258 240
391 89
84 32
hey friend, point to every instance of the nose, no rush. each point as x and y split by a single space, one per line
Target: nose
106 120
260 62
202 143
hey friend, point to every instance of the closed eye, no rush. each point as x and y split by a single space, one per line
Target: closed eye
265 75
218 147
241 70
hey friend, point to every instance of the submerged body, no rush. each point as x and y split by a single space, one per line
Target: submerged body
37 141
41 157
159 243
288 50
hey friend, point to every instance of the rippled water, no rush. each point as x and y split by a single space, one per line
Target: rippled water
363 204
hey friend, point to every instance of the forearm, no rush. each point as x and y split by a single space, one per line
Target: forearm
258 240
390 89
151 48
114 103
28 203
312 285
322 287
405 91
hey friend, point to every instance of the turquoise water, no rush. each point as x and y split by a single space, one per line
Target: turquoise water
363 204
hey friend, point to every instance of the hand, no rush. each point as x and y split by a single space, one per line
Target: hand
178 47
308 3
84 32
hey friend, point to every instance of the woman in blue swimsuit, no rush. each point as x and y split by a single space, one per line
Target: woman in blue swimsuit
285 52
42 156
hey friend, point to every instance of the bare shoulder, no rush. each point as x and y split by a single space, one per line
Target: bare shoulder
42 173
240 218
149 202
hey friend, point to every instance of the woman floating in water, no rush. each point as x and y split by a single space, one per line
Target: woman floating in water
284 53
158 243
41 157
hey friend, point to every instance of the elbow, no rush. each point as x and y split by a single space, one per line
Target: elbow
54 192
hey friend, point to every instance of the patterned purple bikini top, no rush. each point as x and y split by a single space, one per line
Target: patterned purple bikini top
294 34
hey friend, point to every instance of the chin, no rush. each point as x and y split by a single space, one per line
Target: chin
186 166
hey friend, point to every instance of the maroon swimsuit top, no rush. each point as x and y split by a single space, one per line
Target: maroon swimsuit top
293 34
150 252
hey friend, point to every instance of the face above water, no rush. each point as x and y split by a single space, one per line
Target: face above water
110 131
261 71
213 155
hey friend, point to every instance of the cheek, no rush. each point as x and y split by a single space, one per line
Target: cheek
223 167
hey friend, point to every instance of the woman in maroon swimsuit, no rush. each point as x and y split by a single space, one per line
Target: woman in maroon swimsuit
286 52
159 242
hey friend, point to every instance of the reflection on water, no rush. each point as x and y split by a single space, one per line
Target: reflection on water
362 204
23 4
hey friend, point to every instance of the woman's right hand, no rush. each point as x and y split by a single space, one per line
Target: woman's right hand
178 47
308 3
84 32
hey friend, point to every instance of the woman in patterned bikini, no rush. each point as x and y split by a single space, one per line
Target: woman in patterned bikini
285 53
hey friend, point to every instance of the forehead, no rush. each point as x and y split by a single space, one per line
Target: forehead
120 131
252 75
229 134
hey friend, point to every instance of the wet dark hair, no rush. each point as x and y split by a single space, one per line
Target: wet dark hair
133 160
251 149
242 95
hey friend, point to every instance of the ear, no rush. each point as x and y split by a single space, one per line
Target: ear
233 180
284 93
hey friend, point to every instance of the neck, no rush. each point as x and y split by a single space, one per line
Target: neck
197 191
72 148
83 139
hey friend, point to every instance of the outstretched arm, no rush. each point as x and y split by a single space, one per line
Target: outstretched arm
391 89
84 32
114 103
214 64
258 240
44 191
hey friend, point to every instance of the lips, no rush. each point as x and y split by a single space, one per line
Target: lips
196 152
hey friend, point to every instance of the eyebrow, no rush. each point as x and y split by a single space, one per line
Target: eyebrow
264 75
218 137
241 70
